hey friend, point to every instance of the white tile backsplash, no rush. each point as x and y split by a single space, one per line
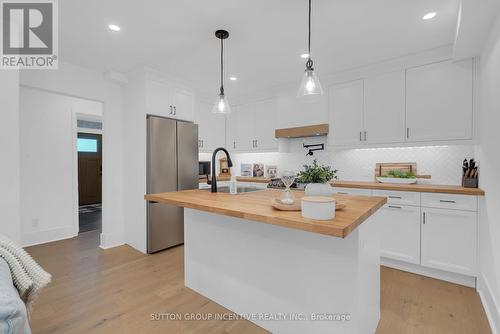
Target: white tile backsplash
442 162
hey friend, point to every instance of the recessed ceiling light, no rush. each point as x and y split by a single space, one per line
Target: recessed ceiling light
233 78
114 27
304 55
429 16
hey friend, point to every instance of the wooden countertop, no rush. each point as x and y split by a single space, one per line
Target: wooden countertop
239 179
257 206
426 188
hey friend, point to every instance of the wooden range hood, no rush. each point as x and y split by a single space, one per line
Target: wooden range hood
302 131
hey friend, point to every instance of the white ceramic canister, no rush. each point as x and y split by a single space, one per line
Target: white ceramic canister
318 207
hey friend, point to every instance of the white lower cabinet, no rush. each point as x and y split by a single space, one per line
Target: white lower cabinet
431 231
449 240
400 231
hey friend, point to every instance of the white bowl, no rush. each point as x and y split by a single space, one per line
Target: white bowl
318 207
396 180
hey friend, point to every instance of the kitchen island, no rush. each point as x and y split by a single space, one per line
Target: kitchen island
283 272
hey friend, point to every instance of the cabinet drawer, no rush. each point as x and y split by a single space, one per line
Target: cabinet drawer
399 197
352 191
449 201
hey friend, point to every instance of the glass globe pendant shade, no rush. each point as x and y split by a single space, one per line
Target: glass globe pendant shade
310 84
221 106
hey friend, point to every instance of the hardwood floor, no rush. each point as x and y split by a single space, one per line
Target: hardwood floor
117 291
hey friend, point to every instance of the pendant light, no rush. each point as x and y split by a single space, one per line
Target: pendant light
310 84
221 106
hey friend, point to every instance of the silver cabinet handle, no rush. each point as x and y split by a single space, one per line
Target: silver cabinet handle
396 197
256 143
424 218
171 110
446 201
234 144
360 136
175 110
407 132
365 135
395 207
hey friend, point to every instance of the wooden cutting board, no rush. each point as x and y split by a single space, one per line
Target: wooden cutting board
382 168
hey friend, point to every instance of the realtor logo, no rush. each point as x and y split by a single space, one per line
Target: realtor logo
29 34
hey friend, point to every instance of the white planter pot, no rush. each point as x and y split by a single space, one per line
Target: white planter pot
319 189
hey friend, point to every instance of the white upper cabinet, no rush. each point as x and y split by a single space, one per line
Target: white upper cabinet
169 100
439 101
265 125
427 103
293 111
241 128
346 113
183 103
251 127
158 98
211 128
384 108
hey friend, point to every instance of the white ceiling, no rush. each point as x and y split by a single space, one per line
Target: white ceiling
266 36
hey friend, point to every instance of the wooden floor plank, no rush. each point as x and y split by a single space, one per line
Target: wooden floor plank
117 290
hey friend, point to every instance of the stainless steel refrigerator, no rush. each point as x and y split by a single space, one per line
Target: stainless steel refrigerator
172 165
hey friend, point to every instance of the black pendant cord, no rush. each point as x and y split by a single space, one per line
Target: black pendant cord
309 37
221 66
309 63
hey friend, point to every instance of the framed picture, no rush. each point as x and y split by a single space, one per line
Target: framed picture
258 170
271 171
246 170
224 167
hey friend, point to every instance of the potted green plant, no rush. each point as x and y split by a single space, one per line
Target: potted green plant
317 179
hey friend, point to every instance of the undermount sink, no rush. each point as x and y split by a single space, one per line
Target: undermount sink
225 189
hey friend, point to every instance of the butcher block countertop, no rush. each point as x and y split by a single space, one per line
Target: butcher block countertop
239 179
257 206
424 188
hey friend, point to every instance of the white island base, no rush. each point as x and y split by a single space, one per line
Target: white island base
283 279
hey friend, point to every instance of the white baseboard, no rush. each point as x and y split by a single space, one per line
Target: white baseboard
110 240
42 237
469 281
490 303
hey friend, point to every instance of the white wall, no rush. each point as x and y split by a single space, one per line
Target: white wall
9 151
135 163
88 84
489 157
48 156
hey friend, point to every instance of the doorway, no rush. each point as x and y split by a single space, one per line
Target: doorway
89 147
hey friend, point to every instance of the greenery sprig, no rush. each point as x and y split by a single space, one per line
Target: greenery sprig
316 174
400 174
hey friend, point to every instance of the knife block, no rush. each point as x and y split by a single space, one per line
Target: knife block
470 182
